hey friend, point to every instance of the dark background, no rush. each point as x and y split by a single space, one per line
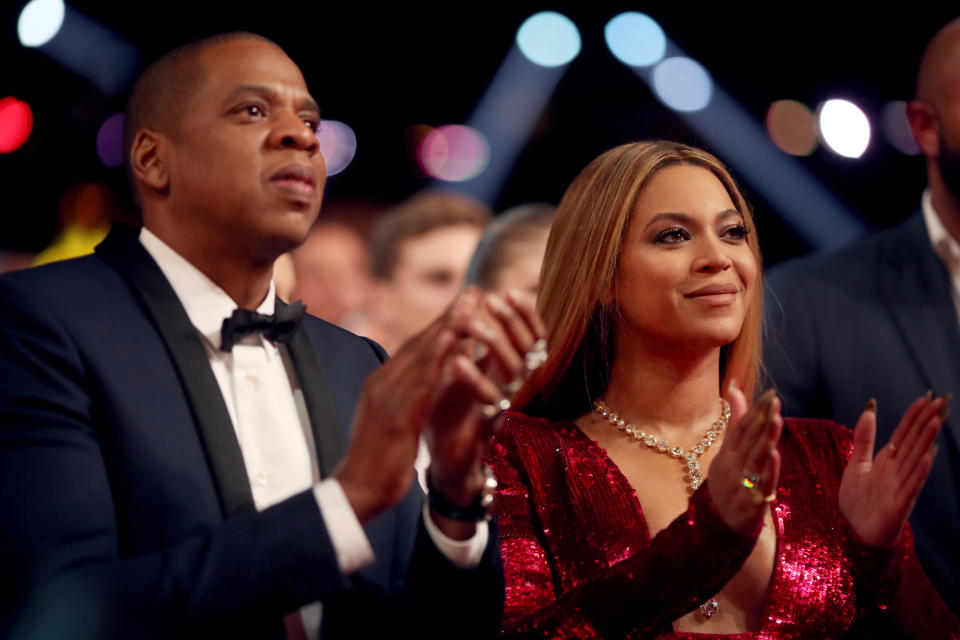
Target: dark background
382 70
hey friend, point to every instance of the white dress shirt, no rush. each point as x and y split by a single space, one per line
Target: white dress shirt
944 245
269 416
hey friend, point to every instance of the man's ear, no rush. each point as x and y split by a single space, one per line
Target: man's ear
925 127
147 160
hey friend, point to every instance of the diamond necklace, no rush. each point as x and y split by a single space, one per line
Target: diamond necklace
689 458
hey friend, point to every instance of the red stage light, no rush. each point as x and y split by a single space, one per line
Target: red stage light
16 123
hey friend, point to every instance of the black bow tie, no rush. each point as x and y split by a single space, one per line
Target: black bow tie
279 327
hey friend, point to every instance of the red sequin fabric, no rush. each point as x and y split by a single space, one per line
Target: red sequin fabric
579 562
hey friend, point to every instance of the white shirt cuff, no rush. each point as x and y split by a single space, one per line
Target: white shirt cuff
349 541
465 554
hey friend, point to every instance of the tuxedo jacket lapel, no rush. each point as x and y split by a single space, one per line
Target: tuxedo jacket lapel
124 252
917 290
324 421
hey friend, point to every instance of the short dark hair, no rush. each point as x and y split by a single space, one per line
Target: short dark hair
513 227
163 89
419 215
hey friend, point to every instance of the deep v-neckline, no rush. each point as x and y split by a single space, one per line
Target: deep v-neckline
776 575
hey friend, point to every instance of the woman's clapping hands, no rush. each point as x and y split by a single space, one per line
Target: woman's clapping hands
877 493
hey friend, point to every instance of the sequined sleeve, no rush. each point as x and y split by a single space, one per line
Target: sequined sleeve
683 565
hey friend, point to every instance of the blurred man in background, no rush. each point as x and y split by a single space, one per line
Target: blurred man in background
420 251
880 318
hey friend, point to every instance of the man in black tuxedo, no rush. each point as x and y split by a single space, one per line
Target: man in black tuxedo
166 473
880 318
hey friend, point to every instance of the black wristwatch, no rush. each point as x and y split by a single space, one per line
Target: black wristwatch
477 510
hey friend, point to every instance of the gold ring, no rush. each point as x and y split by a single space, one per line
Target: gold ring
759 498
893 449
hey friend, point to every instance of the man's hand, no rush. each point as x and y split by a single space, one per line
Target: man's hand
433 381
393 405
458 430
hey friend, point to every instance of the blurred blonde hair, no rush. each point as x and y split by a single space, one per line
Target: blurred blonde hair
577 283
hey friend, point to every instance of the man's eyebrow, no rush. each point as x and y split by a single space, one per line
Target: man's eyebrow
307 103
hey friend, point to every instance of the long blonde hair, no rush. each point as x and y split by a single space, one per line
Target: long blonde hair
579 274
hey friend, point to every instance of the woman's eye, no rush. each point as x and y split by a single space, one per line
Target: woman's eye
736 232
672 236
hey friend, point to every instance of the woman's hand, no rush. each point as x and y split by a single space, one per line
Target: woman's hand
747 457
877 494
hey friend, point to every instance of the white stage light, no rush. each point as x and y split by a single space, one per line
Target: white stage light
39 21
844 128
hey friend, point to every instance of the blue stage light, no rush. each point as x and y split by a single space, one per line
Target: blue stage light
635 39
682 84
549 39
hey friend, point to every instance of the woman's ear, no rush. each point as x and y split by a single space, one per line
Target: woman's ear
147 162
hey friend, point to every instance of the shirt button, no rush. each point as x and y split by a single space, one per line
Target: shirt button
251 382
261 478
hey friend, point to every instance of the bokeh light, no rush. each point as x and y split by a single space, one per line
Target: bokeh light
338 144
454 153
16 123
682 84
792 127
844 128
39 21
110 141
635 39
897 129
549 39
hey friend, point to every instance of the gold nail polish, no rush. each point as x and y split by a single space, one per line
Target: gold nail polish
944 414
929 395
871 405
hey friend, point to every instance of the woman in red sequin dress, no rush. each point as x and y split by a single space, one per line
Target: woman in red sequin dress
651 294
